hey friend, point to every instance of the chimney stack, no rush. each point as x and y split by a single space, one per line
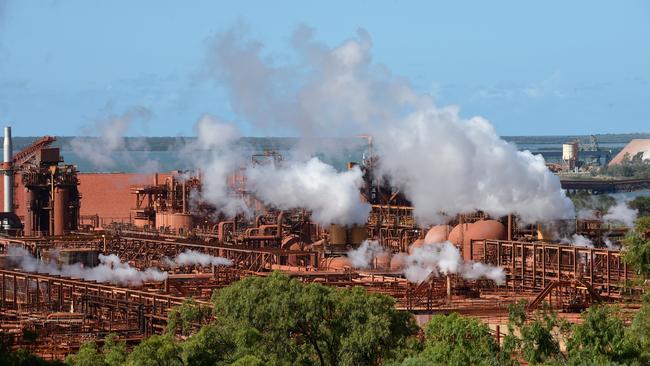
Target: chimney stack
7 167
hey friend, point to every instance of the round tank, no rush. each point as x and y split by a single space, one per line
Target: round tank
570 151
358 233
481 230
485 229
457 233
397 263
338 235
437 234
60 211
336 263
180 222
162 219
416 244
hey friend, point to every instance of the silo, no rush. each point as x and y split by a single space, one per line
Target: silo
60 211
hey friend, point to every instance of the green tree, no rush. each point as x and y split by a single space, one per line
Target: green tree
88 355
637 248
641 203
456 340
189 315
114 350
157 350
600 339
537 339
283 321
210 346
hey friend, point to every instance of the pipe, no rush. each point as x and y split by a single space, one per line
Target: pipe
7 166
509 227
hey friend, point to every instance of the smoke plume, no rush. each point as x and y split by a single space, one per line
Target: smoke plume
192 257
621 213
445 164
364 255
331 196
445 259
110 269
216 155
578 240
109 149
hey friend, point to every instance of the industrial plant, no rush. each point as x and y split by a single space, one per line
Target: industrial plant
88 254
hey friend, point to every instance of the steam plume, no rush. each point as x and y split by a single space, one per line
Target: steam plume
579 241
363 256
217 156
192 257
443 163
110 269
621 213
332 197
444 259
109 149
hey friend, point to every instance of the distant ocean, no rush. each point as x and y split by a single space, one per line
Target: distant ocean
164 151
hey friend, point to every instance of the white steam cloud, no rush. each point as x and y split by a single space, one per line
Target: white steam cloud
217 157
450 165
110 148
621 213
365 254
192 257
110 269
578 240
445 164
331 196
445 259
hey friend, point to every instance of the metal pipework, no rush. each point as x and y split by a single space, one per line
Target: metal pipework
7 167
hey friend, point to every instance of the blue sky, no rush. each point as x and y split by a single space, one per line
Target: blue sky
552 67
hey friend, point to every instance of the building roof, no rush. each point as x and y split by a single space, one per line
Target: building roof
632 148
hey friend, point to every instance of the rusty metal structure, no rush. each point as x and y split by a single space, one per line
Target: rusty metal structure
168 218
51 195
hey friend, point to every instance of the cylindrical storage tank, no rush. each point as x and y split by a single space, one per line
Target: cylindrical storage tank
416 244
482 230
336 263
437 234
570 151
60 210
358 233
162 220
338 235
180 222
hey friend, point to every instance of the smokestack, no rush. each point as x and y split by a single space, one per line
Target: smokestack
7 167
